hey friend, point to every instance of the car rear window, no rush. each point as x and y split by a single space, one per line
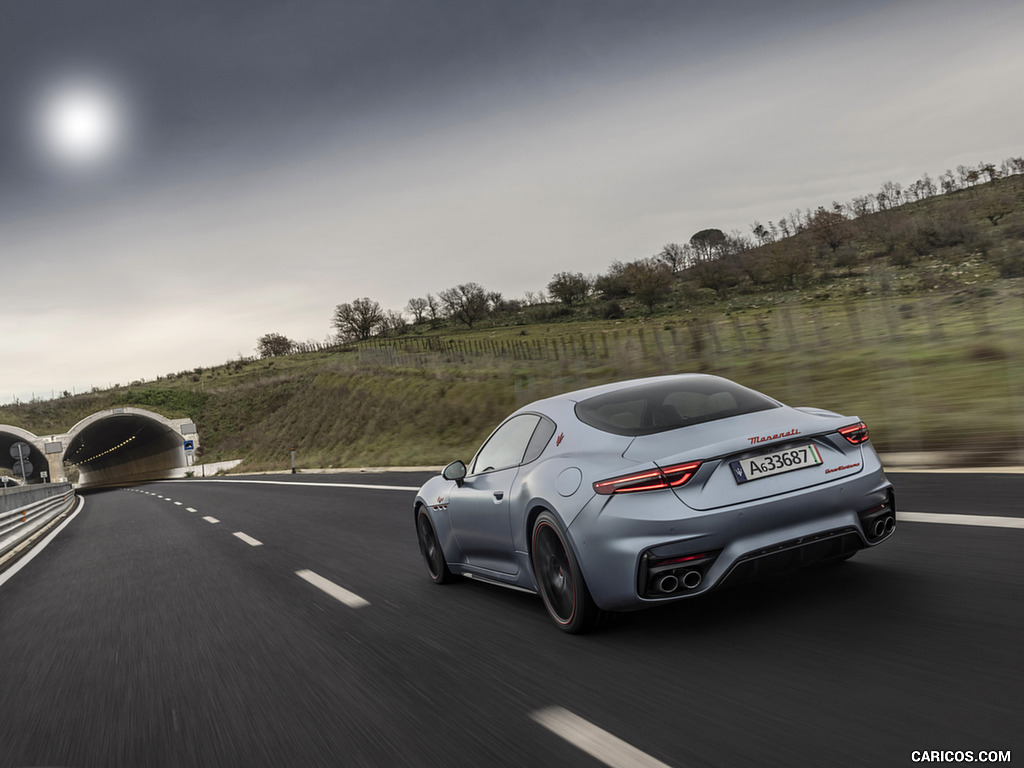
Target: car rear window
658 406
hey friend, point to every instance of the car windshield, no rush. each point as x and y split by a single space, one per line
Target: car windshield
658 406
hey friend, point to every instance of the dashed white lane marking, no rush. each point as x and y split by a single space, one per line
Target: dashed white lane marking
986 521
248 539
597 743
350 599
177 504
191 509
211 519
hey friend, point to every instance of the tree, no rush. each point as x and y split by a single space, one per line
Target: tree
466 303
569 287
715 274
359 320
761 232
418 309
789 263
392 324
675 255
613 284
707 243
996 205
274 344
650 280
434 310
830 228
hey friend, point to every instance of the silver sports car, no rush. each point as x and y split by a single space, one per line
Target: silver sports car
635 494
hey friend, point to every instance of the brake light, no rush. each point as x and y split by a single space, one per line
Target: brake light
675 476
855 433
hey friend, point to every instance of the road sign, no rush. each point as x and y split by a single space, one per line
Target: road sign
190 445
20 451
23 468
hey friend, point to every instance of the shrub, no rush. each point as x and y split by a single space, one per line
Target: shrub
1010 262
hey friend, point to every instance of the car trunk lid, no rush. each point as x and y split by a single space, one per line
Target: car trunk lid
810 436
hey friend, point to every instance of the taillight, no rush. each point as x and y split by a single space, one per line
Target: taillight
648 480
855 433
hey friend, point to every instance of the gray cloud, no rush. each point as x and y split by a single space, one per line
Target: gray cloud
286 151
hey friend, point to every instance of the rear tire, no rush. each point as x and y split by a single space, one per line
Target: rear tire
430 548
560 580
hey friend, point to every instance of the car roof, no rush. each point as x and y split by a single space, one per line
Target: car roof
582 394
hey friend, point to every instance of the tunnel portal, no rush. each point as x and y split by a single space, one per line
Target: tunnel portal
114 447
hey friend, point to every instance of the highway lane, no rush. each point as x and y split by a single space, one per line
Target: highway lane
149 636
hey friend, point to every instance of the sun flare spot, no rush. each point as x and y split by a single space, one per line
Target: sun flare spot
80 124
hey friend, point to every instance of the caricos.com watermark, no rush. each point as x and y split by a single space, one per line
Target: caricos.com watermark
960 756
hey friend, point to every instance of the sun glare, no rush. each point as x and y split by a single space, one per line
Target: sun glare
80 124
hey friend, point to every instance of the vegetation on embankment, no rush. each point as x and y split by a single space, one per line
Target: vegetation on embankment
914 323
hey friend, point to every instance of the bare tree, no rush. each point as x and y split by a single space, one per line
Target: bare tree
790 263
675 255
393 324
650 280
466 303
830 228
359 320
418 309
435 310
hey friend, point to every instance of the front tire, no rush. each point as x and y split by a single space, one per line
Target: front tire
430 548
560 580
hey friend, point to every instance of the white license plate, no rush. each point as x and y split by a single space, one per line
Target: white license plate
745 470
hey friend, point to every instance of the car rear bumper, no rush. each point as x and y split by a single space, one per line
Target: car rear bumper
627 544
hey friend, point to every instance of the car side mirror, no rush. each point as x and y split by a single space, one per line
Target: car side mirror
455 471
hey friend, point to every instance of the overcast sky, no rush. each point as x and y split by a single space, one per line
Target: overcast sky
260 161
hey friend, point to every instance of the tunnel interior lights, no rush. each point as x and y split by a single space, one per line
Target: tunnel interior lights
104 453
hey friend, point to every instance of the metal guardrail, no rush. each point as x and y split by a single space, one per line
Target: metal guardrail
20 524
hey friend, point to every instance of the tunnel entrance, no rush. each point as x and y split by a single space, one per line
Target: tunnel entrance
35 466
129 445
115 447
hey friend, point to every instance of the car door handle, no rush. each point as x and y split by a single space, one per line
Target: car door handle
498 496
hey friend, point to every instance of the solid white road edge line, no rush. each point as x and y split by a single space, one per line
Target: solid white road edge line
311 485
248 539
211 519
27 557
597 743
350 599
986 521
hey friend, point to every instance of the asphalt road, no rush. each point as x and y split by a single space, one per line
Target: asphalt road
146 635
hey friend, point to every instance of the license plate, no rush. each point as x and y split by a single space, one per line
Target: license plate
776 463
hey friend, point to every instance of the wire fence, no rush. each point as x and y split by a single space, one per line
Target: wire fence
942 373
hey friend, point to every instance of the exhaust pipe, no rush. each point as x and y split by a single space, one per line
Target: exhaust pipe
692 579
883 526
667 583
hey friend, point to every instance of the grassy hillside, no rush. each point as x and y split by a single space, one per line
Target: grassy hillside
918 332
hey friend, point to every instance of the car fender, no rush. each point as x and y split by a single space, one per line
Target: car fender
433 497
